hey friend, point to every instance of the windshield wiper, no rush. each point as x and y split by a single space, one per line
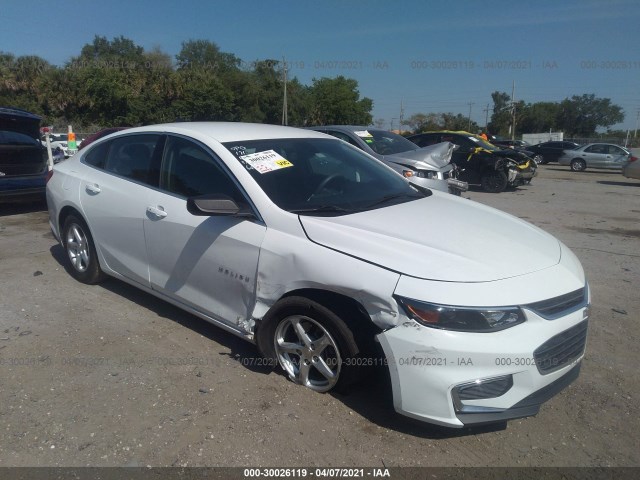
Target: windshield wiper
322 209
393 196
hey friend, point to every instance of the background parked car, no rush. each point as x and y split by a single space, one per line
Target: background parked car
519 146
482 163
23 159
507 143
631 169
551 151
595 155
431 168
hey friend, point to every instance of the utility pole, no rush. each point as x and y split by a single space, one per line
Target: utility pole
401 115
635 132
469 125
513 111
486 118
285 117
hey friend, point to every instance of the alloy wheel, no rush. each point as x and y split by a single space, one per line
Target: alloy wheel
308 353
77 248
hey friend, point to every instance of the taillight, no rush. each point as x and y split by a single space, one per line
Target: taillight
48 177
632 158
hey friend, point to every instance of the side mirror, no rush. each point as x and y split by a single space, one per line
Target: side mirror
216 205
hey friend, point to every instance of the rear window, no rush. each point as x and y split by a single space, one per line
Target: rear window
15 138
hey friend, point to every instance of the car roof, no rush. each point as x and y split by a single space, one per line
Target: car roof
228 131
600 143
349 128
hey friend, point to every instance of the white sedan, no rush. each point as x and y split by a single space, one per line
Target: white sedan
331 263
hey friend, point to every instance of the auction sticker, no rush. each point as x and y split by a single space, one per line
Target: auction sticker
363 133
266 161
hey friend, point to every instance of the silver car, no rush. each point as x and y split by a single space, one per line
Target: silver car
429 167
595 155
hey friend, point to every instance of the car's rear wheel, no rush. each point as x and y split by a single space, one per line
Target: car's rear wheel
311 343
494 181
578 165
81 251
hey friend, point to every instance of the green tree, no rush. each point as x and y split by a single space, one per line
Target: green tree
501 116
582 115
337 101
538 117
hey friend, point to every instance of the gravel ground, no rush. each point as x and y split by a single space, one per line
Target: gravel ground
110 376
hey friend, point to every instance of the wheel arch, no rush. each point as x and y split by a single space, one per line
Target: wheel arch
64 214
350 310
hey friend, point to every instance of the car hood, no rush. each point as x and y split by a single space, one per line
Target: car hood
434 156
517 155
440 237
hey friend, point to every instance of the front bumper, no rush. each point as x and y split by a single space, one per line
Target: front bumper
428 368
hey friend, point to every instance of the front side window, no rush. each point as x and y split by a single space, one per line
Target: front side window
188 170
597 149
311 175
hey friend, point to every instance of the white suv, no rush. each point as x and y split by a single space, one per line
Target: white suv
321 254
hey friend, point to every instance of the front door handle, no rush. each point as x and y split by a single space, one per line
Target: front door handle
92 188
157 211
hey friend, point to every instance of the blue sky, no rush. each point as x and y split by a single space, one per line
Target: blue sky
431 56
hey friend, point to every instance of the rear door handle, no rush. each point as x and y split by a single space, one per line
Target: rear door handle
92 188
157 211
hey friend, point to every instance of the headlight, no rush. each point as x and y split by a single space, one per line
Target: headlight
420 173
461 319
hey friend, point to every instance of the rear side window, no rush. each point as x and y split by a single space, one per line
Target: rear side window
132 156
188 170
97 155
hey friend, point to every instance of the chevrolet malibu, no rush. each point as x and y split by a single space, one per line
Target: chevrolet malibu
330 262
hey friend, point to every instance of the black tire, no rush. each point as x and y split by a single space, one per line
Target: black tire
578 165
494 181
81 251
277 328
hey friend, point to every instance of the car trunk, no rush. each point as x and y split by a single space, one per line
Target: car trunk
21 152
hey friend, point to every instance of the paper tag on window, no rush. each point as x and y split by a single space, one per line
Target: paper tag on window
363 133
266 161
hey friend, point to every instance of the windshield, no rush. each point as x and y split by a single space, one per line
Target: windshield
385 143
321 176
484 144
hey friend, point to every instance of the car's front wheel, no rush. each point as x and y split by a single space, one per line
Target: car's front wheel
311 343
81 251
494 181
578 165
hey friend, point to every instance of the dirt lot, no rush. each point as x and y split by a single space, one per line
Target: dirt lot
108 375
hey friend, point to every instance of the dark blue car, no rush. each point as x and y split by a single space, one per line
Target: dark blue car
23 159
